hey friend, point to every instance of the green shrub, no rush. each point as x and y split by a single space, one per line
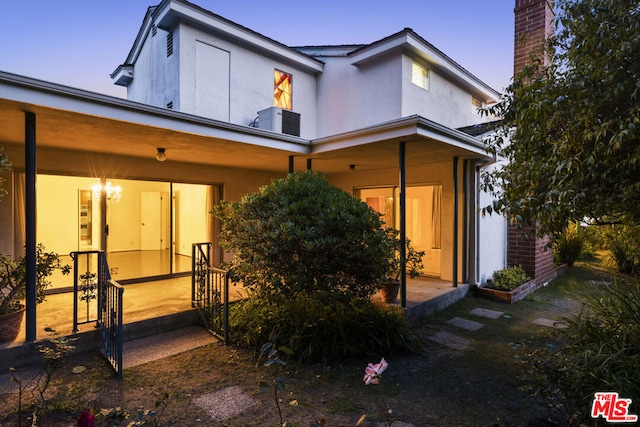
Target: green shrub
569 246
301 235
508 278
316 332
601 352
592 242
312 255
624 246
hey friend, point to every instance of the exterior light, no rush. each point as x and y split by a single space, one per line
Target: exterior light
161 156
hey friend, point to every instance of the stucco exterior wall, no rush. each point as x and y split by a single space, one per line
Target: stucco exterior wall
334 97
492 237
351 97
445 102
156 76
159 79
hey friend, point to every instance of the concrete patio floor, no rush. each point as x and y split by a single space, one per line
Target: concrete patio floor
164 305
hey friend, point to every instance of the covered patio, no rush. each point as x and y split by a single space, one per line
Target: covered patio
70 132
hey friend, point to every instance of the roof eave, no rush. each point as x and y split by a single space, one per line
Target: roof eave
52 95
170 12
412 127
409 41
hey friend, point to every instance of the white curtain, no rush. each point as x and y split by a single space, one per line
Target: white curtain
19 196
213 224
436 209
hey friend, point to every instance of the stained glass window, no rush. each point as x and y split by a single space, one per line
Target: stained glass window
282 90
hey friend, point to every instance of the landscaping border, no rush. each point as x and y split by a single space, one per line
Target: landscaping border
527 288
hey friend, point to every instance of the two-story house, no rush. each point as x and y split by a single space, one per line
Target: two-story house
351 102
215 111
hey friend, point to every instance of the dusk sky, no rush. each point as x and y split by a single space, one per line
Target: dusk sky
80 43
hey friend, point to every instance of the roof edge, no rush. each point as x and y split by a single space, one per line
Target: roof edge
413 125
410 40
125 104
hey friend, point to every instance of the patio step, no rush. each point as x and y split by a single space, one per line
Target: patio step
430 306
159 346
27 353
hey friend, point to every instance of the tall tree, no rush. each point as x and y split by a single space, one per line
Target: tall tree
571 125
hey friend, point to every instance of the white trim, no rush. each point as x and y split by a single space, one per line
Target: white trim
170 11
415 46
50 95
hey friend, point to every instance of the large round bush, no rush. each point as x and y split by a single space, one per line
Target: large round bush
302 236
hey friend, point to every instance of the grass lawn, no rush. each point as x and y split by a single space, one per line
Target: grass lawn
481 385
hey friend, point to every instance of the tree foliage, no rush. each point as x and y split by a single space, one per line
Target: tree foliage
302 236
574 123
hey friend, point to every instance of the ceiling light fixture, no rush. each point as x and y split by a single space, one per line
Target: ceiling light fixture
161 156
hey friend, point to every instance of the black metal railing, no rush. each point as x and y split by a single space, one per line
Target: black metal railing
85 287
199 270
210 291
100 299
111 324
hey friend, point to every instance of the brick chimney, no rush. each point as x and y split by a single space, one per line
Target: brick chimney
533 22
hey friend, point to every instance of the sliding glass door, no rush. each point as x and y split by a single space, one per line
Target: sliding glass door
423 218
147 228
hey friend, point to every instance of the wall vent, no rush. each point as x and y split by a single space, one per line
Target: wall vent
169 43
154 30
170 105
279 120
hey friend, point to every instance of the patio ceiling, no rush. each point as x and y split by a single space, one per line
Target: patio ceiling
75 120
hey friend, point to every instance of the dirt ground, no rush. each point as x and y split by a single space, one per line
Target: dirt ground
478 381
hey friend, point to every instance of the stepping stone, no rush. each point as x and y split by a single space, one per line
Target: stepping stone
467 324
449 340
485 312
550 323
225 403
397 424
598 283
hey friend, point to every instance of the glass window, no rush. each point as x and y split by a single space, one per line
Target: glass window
419 75
423 217
282 90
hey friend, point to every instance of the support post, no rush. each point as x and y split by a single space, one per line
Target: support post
30 223
403 224
473 221
455 222
465 220
104 225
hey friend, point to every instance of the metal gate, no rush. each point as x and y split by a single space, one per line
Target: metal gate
100 300
210 291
